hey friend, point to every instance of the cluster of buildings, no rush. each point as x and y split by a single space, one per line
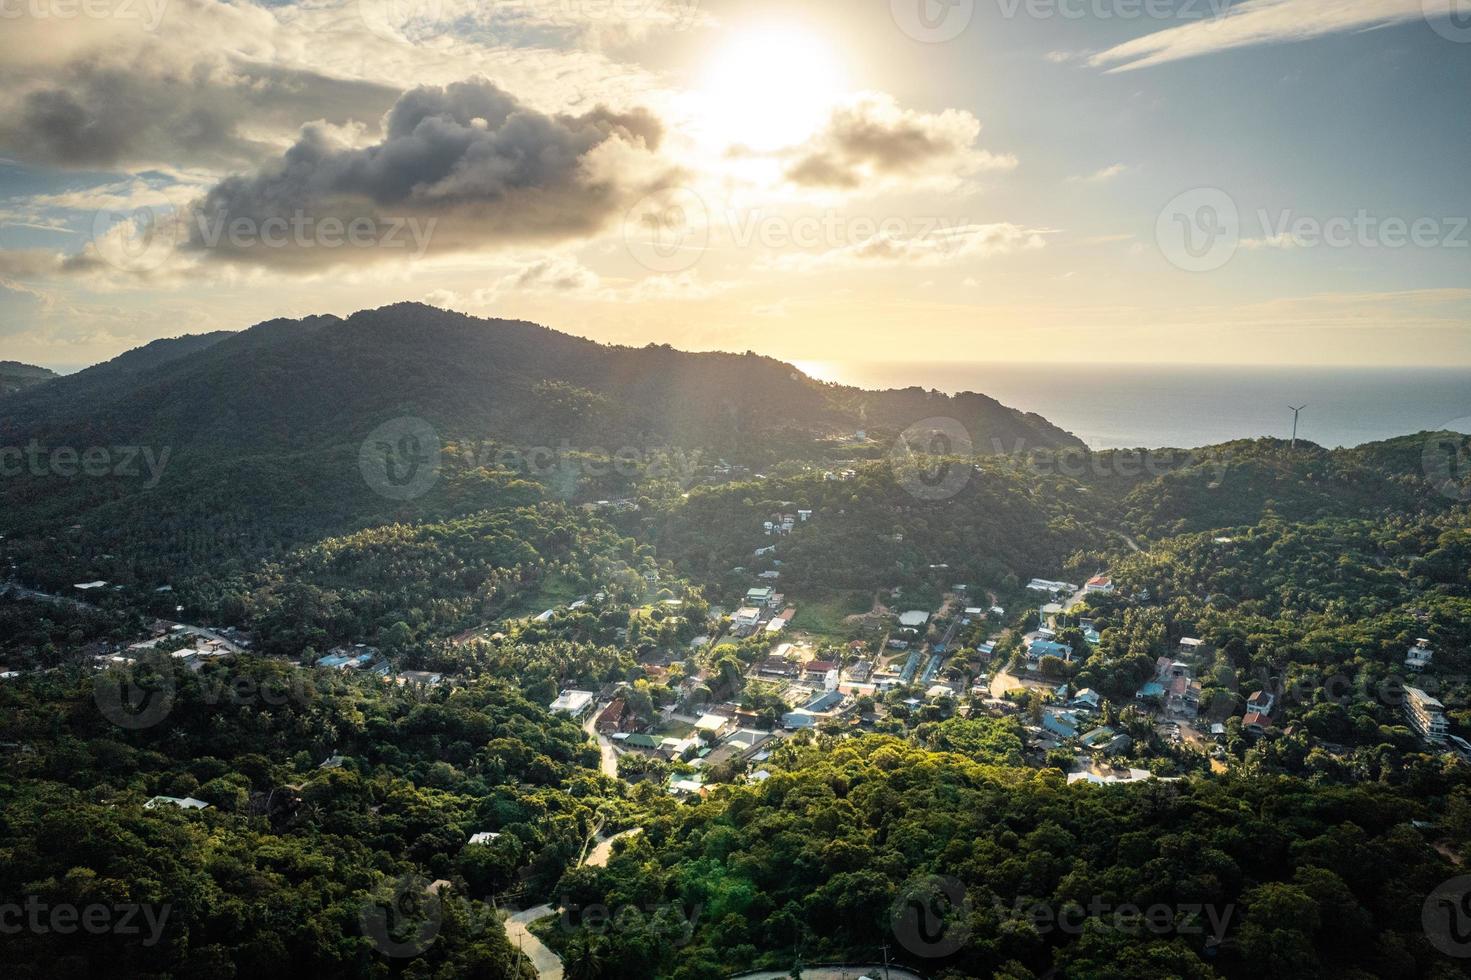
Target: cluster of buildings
763 610
780 524
360 658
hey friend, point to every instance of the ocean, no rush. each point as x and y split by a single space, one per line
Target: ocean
1112 406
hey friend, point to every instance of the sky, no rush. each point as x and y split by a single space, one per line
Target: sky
1132 181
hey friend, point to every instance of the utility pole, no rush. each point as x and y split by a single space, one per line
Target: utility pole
1295 413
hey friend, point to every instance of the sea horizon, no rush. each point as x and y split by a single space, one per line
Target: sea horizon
1153 406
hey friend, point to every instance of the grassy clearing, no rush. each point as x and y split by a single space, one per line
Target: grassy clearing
825 615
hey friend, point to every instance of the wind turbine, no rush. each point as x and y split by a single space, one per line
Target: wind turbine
1295 413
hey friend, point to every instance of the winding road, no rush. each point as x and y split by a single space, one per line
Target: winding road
607 756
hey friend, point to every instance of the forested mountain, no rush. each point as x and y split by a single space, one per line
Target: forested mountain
322 380
15 376
255 440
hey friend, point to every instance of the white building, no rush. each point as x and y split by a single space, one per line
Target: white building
914 619
1426 715
186 803
574 703
1419 656
746 616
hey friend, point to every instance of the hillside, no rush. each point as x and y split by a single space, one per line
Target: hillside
15 376
331 379
243 443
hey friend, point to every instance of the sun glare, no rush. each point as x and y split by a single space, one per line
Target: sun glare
771 87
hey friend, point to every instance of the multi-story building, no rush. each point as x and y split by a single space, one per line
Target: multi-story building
1426 715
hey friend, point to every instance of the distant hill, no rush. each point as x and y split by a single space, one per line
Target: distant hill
328 380
15 376
262 430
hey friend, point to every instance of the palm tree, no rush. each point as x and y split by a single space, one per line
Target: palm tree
584 959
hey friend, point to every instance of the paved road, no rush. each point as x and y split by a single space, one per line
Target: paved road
20 592
607 756
548 965
598 858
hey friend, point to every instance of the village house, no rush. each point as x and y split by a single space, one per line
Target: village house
616 717
183 803
777 667
746 617
1099 583
1419 656
1105 741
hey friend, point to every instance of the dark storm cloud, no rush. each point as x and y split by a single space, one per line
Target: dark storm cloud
88 115
468 165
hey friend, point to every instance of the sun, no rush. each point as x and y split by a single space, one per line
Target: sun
770 87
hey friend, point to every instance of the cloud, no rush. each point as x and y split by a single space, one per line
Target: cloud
465 167
1101 176
1280 241
91 116
874 139
941 247
1263 22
